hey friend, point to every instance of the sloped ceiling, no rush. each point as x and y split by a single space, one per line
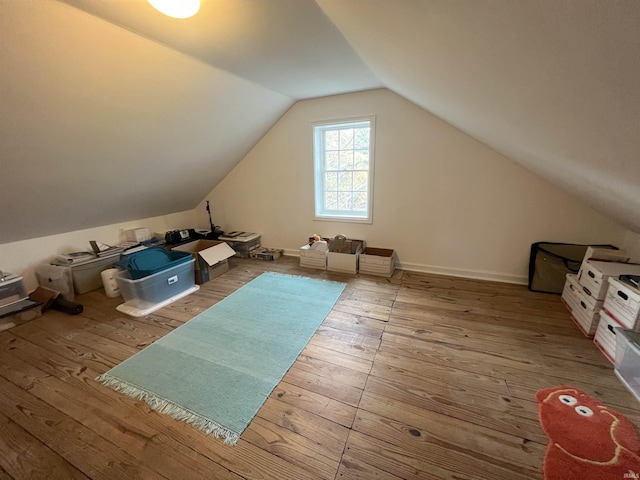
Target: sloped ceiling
113 112
553 85
105 120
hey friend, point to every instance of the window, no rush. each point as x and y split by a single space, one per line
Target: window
343 156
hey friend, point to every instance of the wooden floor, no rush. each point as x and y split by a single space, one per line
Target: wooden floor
417 376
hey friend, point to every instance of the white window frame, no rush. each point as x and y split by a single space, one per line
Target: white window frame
318 130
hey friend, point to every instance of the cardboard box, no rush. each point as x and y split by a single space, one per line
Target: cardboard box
345 262
377 261
211 258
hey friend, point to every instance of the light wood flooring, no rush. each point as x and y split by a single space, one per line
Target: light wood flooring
417 376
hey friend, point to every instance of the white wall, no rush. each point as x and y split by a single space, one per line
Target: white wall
444 201
632 246
22 257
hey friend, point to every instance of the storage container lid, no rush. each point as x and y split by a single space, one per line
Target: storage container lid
152 260
6 278
149 259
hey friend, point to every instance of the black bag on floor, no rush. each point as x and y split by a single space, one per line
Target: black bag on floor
550 262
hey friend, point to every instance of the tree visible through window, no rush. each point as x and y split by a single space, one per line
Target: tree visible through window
343 154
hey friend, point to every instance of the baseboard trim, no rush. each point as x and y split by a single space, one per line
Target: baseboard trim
453 272
457 272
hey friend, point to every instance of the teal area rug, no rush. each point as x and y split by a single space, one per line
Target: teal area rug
217 370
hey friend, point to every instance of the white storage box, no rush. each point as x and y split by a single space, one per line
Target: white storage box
569 296
628 360
594 274
345 262
623 303
584 309
314 257
605 338
377 261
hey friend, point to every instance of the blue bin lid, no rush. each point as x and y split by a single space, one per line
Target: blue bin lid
153 260
149 259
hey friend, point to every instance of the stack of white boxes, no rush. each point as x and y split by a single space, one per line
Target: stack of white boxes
584 307
621 309
584 293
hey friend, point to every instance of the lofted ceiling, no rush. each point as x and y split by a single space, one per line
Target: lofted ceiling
113 112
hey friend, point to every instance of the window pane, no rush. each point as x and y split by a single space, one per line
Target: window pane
360 201
331 140
331 201
346 139
331 181
360 181
344 200
361 159
345 181
346 160
361 138
332 160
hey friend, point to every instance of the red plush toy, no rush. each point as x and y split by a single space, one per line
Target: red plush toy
588 440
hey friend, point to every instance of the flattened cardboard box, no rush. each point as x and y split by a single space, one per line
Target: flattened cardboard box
211 258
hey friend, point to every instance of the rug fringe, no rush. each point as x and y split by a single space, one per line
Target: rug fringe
163 405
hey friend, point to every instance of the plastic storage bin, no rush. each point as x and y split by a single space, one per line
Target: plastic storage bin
627 366
56 278
11 290
159 286
153 260
87 275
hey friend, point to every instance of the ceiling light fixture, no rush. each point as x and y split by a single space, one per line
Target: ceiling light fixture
176 8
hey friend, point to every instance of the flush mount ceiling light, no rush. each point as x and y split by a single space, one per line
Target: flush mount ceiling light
176 8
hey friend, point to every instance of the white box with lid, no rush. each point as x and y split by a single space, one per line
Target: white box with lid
605 337
314 257
584 309
594 274
623 303
569 296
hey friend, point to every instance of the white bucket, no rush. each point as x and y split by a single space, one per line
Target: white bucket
109 281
